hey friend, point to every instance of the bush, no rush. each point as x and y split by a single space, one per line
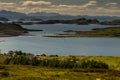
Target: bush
4 74
35 61
7 61
93 64
53 55
56 63
2 67
43 55
17 60
53 63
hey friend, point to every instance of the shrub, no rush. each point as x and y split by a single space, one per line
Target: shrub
4 74
93 64
53 62
43 54
56 63
35 61
2 67
7 61
53 55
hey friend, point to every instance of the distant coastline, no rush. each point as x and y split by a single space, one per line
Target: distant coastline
79 21
97 32
15 28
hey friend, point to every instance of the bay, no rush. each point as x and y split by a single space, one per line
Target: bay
38 44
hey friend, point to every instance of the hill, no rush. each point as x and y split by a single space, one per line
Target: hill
7 29
50 16
12 15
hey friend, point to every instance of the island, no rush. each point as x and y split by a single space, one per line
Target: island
12 29
79 21
113 22
96 32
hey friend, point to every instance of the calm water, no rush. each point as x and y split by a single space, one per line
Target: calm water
62 46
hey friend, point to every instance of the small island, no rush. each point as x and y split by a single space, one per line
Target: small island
97 32
11 29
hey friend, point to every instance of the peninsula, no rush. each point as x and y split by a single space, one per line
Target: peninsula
11 29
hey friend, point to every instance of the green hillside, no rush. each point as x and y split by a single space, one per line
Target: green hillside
9 29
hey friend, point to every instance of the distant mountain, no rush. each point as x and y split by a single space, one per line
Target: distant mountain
12 15
50 16
56 16
44 14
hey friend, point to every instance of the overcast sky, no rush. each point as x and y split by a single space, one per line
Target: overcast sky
72 7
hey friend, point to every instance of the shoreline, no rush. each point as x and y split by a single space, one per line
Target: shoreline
109 32
69 36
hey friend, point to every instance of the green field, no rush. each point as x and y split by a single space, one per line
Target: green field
112 61
19 72
29 72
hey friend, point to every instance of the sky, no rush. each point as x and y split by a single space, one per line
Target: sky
70 7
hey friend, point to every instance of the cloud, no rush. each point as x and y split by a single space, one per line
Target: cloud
4 4
107 11
90 3
34 3
85 9
7 6
73 7
112 4
28 6
88 8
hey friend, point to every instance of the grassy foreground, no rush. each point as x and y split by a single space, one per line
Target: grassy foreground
112 61
19 72
29 72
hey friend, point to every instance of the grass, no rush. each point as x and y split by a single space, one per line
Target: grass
2 58
19 72
112 61
25 72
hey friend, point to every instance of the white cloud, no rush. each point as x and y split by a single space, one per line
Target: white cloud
90 3
7 6
34 3
89 8
107 11
112 4
4 4
73 7
84 9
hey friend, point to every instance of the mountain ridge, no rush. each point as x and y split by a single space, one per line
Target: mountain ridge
50 16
